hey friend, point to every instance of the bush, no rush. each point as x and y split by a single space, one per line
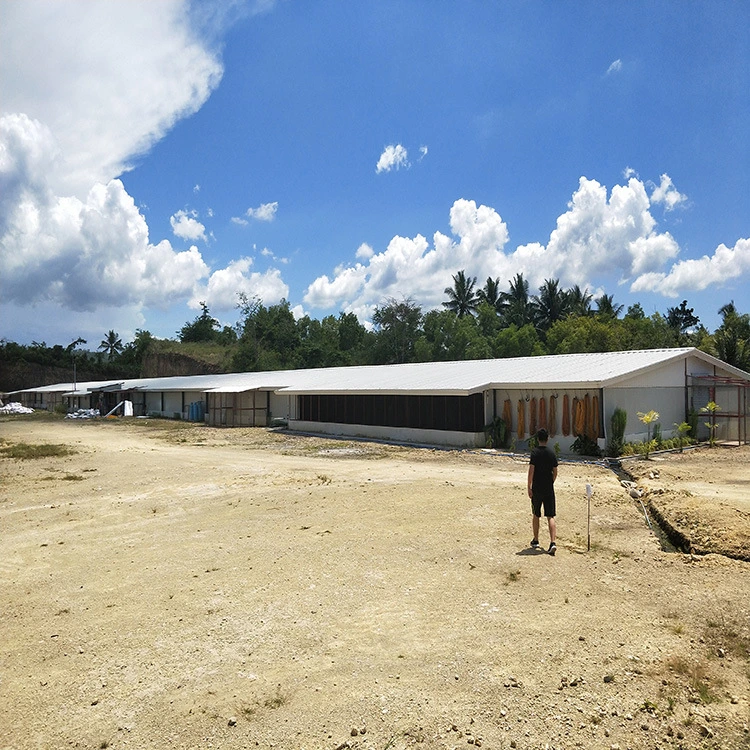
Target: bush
585 446
496 433
617 422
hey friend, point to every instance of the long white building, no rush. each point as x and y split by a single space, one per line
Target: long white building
445 403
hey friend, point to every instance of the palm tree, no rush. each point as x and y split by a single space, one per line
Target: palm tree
606 307
462 299
579 301
491 294
732 339
111 345
550 305
515 304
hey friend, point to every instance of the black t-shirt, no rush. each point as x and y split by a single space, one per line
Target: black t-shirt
544 460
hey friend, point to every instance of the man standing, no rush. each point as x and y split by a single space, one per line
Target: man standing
541 486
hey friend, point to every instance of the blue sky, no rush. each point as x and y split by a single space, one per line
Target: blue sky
154 155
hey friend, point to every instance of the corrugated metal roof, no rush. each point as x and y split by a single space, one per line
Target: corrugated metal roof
461 378
590 370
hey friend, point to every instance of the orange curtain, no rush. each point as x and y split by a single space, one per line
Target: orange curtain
552 417
542 413
521 419
594 422
566 416
532 417
508 416
579 417
587 411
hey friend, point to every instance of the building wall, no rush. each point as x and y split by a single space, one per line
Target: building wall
393 434
248 409
669 402
558 436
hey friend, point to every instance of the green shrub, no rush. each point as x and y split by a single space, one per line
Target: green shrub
496 433
617 422
585 446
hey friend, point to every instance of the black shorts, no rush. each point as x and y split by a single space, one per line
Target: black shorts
537 501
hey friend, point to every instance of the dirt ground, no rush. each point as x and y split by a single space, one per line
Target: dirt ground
177 586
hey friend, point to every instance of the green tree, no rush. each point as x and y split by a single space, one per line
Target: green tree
490 294
731 341
517 342
681 319
111 345
462 299
397 327
579 301
550 305
202 328
585 334
515 304
606 307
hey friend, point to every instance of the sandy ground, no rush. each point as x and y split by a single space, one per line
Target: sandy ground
177 586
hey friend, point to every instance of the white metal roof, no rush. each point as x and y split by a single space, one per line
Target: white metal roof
590 370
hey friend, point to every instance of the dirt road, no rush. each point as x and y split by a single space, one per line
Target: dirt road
176 586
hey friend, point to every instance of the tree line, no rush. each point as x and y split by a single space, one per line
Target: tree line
473 323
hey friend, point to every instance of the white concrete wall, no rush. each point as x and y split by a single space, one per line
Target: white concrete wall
669 402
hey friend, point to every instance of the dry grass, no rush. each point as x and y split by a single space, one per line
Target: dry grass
26 451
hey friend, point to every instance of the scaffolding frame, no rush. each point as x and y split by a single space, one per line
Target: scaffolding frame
714 382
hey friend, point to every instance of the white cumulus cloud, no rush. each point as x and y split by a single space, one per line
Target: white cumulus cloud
187 227
602 236
264 212
615 67
667 193
393 157
700 273
108 79
223 286
86 88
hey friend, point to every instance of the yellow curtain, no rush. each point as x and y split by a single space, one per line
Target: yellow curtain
532 417
542 413
566 416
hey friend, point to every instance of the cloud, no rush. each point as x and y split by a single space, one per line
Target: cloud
697 274
615 67
80 254
422 152
221 291
108 79
187 227
92 88
364 252
667 194
410 267
393 157
264 212
601 234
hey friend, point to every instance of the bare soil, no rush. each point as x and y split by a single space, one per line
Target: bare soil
177 586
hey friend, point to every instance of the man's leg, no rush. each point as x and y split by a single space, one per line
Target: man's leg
535 525
552 528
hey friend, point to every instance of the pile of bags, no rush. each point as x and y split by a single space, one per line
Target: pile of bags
15 408
83 414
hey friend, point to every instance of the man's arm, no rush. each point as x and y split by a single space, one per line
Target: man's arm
530 479
554 474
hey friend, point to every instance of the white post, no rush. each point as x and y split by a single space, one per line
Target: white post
589 492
